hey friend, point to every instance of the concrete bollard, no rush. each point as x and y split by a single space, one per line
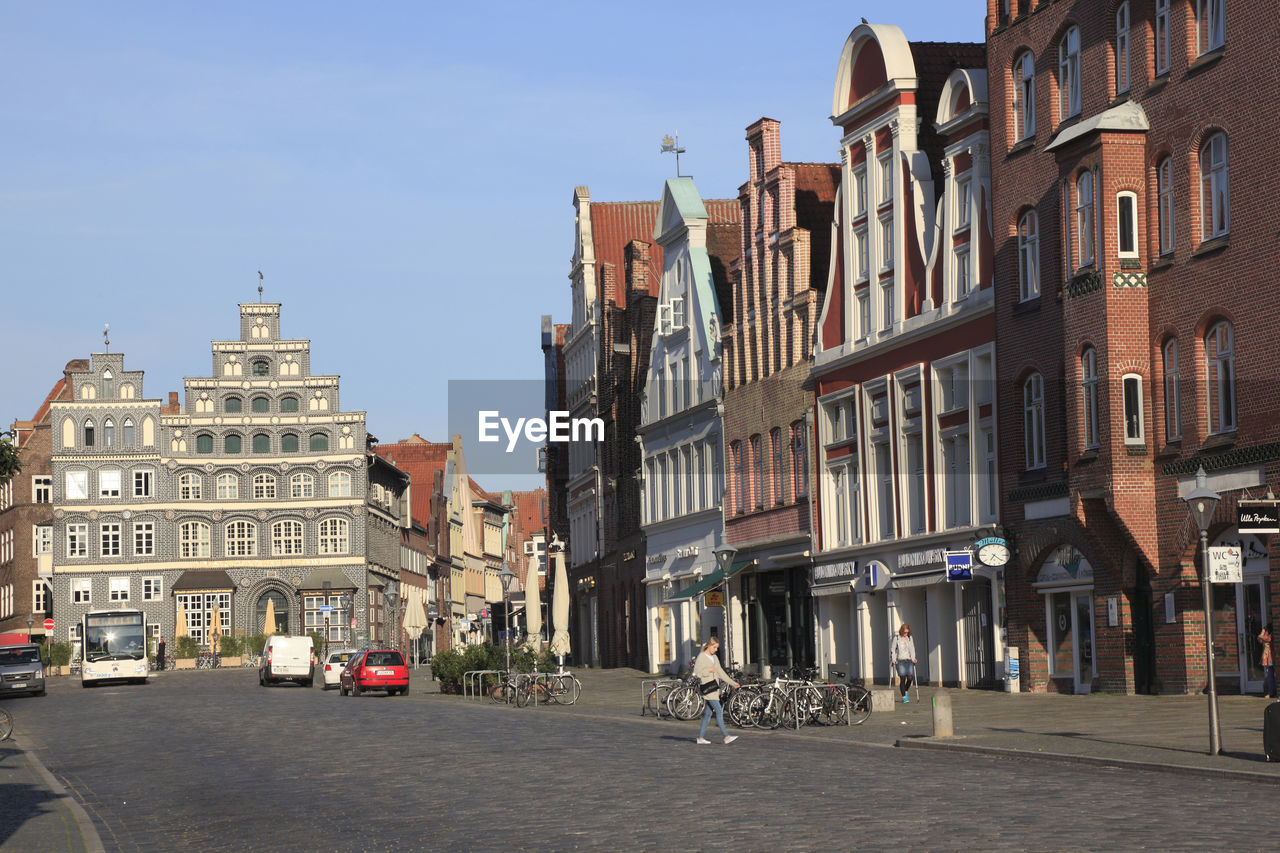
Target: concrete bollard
942 716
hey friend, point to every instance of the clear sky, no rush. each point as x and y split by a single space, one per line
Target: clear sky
402 173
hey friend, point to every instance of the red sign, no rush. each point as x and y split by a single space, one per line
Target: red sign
48 624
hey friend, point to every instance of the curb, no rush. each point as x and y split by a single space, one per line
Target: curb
1128 764
88 833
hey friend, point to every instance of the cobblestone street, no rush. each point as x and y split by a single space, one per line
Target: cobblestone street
212 761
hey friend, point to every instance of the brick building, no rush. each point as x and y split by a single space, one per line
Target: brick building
1134 327
904 363
778 281
26 522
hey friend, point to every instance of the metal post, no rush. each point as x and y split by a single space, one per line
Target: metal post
1215 732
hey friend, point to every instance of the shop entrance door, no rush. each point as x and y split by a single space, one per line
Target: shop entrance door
1254 605
979 635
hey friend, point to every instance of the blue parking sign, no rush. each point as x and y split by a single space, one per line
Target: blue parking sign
959 566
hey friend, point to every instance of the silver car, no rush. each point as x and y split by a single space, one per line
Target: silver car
21 670
334 661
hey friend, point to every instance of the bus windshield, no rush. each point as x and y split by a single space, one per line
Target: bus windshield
113 637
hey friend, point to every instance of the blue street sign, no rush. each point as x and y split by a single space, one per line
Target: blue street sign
325 608
959 565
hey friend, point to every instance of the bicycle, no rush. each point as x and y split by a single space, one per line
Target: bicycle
854 707
560 688
655 700
6 724
505 689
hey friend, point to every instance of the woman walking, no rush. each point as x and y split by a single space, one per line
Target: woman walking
902 655
708 671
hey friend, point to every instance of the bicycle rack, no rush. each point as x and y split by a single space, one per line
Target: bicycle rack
473 680
650 685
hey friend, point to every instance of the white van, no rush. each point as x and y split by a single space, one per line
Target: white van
287 659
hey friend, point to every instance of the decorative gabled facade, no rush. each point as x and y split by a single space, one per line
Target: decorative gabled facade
680 434
904 365
256 490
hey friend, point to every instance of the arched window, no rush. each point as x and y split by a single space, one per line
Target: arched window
108 385
280 613
204 443
1127 224
739 477
261 443
260 405
1069 74
233 405
1172 392
241 539
1089 396
1084 217
261 368
302 485
228 487
127 391
1028 256
334 536
1164 188
189 487
1033 421
108 433
1219 350
288 443
1135 422
127 439
1122 48
232 443
288 404
193 539
88 433
1211 24
286 538
319 442
1024 96
264 487
340 484
1215 188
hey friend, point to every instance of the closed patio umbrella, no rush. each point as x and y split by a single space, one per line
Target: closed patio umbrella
180 626
269 623
560 610
215 628
533 611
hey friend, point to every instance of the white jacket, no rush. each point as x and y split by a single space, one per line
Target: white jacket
902 648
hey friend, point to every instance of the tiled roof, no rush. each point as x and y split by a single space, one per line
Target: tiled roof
724 246
420 459
816 185
934 63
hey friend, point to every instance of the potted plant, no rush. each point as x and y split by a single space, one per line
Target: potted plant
186 649
230 649
58 657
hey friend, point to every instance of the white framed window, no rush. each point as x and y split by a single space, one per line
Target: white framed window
6 546
109 539
840 416
799 459
775 446
193 539
335 536
41 597
302 485
886 243
264 487
885 504
1172 392
77 485
863 256
340 484
962 271
1135 424
1069 74
143 483
952 382
41 539
1122 48
144 538
988 481
1089 396
1024 96
677 312
228 486
739 479
153 588
1084 218
1215 190
1219 350
1162 36
1164 187
1211 24
955 473
241 538
1033 421
886 179
860 191
964 202
843 508
119 589
189 487
1127 224
914 442
286 538
108 433
864 312
42 489
77 540
1028 256
757 471
81 591
109 483
887 313
664 318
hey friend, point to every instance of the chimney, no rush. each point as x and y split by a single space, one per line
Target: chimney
637 254
608 284
174 407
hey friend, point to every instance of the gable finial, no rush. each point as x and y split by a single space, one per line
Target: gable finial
259 285
106 330
672 146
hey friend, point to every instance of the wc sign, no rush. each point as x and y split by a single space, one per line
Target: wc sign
1226 564
959 565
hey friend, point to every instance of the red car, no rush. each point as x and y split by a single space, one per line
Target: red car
378 669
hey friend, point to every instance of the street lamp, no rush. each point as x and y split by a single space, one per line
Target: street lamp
724 556
506 576
345 603
392 594
1203 501
31 621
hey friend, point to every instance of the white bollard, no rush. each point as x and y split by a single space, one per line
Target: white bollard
942 716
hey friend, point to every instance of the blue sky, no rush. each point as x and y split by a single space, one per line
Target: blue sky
402 173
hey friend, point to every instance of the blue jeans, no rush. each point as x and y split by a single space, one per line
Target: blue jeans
713 705
1269 681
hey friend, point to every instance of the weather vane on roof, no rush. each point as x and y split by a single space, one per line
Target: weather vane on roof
106 342
259 284
672 146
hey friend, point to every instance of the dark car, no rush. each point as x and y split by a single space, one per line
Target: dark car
377 669
21 670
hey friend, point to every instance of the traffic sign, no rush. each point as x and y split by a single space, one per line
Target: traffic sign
325 608
48 624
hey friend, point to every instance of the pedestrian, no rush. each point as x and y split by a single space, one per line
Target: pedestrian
1268 663
160 654
902 656
711 675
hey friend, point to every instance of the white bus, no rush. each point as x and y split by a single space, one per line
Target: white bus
115 647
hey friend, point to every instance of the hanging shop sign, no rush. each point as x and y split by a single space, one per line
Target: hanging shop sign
960 565
713 598
1258 517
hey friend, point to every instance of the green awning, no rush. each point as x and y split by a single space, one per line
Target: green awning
711 581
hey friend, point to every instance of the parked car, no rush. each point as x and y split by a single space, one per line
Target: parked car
335 660
21 670
377 669
287 659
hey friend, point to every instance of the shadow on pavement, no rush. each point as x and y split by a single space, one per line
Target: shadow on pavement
22 802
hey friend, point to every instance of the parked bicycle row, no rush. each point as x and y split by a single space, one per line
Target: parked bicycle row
793 699
524 688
